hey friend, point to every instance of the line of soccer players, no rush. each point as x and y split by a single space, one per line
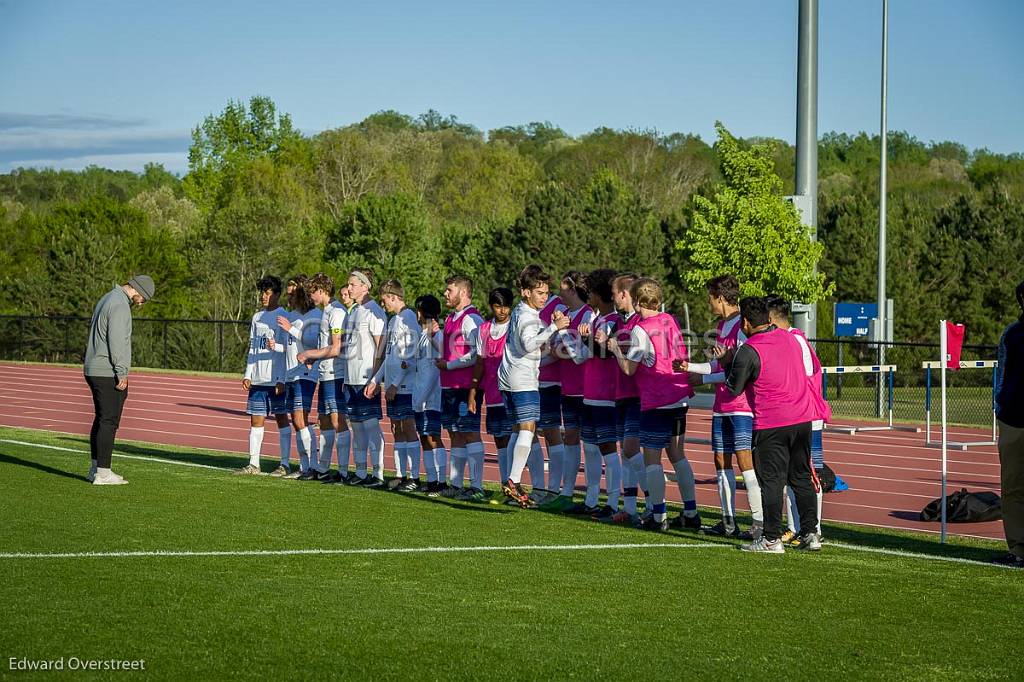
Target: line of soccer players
598 370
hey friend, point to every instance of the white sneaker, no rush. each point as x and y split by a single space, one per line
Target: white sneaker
281 471
103 478
765 546
249 470
810 542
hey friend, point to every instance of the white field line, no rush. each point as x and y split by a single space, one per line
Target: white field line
116 454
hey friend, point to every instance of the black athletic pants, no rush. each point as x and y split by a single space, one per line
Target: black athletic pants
783 456
108 403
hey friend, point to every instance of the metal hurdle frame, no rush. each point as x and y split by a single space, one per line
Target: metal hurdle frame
964 364
890 371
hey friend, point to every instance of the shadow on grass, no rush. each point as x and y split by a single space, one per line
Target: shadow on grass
221 461
8 459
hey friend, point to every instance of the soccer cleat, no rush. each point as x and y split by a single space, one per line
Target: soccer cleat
541 496
579 509
1011 560
330 476
755 532
409 486
722 530
789 538
281 471
603 513
558 504
360 480
649 523
809 542
474 495
621 518
249 470
374 482
515 491
684 522
309 475
293 475
765 546
434 489
108 478
396 483
451 492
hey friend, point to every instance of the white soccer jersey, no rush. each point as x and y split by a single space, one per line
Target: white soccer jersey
265 367
426 394
520 362
364 322
403 337
332 321
304 335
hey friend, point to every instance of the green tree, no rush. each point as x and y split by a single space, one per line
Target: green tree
750 230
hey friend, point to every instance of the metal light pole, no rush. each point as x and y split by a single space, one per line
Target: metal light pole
807 124
884 134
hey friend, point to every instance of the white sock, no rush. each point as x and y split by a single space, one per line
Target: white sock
571 468
592 473
475 451
730 481
632 471
284 438
556 458
458 466
613 479
820 497
412 453
303 443
753 495
326 449
535 462
504 465
344 445
441 463
725 495
255 443
398 450
375 443
792 515
656 485
520 455
359 445
687 486
314 447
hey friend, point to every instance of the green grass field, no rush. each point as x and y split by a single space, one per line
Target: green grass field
696 607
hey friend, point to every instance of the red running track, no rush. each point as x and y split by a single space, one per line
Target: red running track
892 475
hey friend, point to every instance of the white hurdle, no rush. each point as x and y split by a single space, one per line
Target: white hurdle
964 364
890 372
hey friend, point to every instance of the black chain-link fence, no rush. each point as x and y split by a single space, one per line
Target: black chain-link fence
220 346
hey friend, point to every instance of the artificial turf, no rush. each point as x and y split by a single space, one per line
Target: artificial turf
696 608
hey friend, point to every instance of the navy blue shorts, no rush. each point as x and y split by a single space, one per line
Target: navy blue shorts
730 433
400 408
598 424
522 406
428 423
627 421
263 402
497 422
300 395
455 414
658 427
360 408
550 407
572 412
327 401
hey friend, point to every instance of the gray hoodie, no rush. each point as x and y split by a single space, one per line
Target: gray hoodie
109 349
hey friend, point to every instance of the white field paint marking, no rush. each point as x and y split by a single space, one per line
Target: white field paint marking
139 457
913 555
369 550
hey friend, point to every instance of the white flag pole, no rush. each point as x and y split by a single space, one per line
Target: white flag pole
943 356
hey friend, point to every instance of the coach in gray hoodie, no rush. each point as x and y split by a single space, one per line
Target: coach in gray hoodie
108 359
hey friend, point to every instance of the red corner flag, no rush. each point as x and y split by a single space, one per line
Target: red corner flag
954 343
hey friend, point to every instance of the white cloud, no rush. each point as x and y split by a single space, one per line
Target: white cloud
175 162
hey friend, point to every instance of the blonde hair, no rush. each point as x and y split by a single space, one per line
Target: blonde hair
646 293
393 287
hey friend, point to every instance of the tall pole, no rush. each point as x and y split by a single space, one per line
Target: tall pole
883 164
807 123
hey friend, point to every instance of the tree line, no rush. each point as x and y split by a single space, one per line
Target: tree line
419 197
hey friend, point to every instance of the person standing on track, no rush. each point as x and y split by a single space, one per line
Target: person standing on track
108 359
1010 413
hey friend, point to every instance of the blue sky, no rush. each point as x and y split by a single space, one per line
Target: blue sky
121 83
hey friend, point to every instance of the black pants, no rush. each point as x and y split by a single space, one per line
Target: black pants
108 403
783 456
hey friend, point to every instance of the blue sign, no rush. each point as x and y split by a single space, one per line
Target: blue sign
854 319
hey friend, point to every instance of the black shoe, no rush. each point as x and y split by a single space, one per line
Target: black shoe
310 475
330 477
433 489
683 522
374 482
580 509
648 523
1011 560
603 513
722 530
360 480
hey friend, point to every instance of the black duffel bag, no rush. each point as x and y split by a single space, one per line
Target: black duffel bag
965 507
